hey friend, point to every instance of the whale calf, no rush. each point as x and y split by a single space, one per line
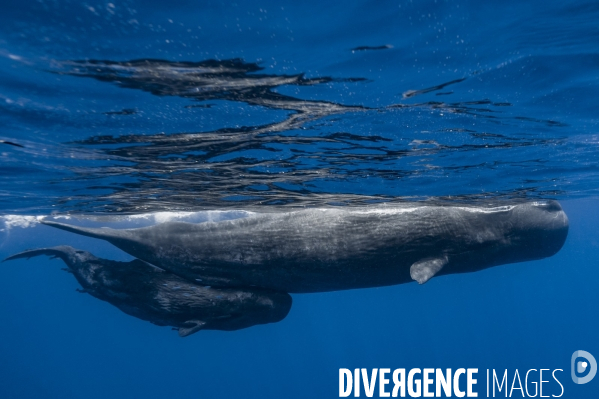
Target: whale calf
154 295
328 249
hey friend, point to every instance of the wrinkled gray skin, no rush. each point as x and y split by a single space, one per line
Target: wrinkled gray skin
152 294
331 249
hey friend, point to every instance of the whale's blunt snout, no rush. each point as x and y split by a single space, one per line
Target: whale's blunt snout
282 301
551 225
555 217
273 306
260 307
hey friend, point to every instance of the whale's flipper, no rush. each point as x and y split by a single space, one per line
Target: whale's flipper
425 269
197 325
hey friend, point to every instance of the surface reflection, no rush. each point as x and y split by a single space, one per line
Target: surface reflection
303 159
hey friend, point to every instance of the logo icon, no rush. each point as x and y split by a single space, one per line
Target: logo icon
583 361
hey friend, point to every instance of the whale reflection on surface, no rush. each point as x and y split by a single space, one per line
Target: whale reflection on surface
310 152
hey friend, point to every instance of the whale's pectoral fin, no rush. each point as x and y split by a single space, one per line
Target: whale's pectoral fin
425 269
195 326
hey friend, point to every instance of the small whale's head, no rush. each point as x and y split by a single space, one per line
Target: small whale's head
248 307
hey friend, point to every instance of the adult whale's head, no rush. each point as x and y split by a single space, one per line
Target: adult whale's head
149 293
539 229
505 234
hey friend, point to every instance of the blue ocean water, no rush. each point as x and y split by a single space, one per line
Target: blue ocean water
112 110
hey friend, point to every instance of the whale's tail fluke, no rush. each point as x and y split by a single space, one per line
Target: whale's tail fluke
105 234
124 239
117 237
63 252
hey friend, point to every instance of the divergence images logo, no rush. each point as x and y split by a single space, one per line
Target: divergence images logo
583 360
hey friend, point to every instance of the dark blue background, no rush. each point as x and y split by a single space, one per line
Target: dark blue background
542 57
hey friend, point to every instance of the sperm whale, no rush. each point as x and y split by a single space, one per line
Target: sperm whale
154 295
328 249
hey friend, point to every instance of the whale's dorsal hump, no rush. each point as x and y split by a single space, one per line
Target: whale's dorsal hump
425 269
195 326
